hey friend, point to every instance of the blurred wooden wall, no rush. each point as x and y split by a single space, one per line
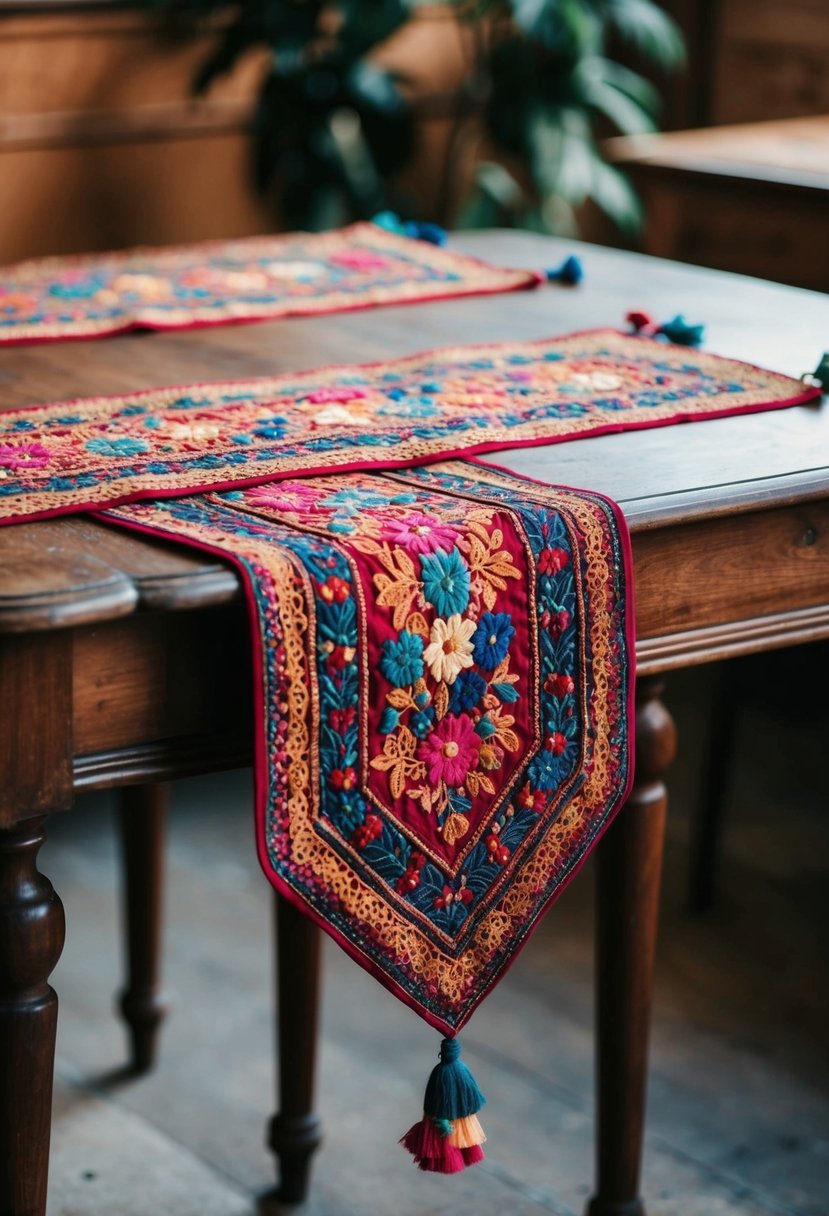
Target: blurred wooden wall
101 144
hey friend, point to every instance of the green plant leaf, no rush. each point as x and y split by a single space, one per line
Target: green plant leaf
649 29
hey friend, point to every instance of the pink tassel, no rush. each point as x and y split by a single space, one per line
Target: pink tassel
472 1155
432 1151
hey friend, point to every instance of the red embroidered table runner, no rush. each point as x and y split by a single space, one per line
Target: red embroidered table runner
219 282
443 684
444 652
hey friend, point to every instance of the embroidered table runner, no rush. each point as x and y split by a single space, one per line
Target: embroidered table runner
444 652
79 455
253 279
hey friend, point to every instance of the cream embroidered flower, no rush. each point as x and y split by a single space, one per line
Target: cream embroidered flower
602 382
450 648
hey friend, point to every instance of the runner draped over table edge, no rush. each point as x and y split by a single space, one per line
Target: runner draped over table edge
444 652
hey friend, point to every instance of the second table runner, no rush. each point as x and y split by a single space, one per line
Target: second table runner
221 282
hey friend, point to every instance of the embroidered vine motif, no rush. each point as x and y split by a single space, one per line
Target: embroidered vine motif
446 692
218 282
75 455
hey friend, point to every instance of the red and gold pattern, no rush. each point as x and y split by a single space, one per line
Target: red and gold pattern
445 671
76 455
221 282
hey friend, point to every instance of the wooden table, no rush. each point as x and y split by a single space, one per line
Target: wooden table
753 197
101 634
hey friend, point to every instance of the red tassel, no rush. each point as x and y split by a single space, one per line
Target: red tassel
432 1151
641 322
472 1155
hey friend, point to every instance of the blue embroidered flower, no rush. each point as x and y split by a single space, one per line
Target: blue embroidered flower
271 428
388 720
117 447
492 638
466 692
445 582
402 661
82 289
420 723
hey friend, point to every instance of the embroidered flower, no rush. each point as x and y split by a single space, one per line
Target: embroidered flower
466 691
342 778
550 561
556 743
23 456
334 396
449 649
451 750
420 723
445 582
559 685
334 590
334 415
271 428
369 830
420 533
341 719
491 756
117 447
359 259
401 661
410 880
492 638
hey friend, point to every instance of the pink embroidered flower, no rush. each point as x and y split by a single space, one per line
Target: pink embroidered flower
450 648
451 750
360 259
326 396
420 533
23 456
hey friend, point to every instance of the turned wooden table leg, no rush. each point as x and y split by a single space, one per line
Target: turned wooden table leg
629 869
295 1130
142 827
31 940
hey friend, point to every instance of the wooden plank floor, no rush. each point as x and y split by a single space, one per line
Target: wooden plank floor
739 1113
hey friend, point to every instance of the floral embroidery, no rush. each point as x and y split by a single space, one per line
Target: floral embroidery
431 780
449 649
245 280
450 751
122 449
445 582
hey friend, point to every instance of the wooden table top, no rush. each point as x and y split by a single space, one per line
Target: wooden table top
792 151
74 571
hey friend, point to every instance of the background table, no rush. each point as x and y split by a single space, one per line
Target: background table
102 635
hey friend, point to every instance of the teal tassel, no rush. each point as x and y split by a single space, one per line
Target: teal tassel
452 1092
679 331
821 372
416 229
570 272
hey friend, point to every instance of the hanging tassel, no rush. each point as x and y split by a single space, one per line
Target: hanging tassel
417 230
449 1136
681 333
677 330
570 272
821 373
641 322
